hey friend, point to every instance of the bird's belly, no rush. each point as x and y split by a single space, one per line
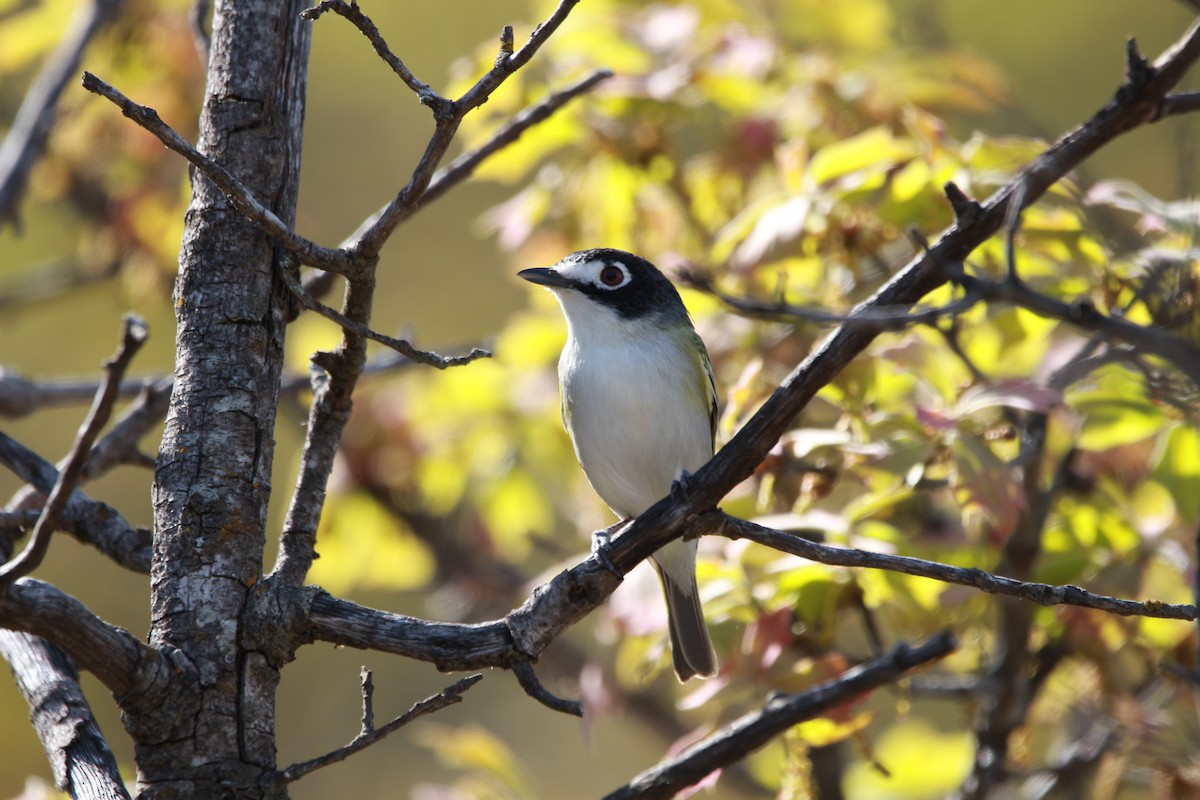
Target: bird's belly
634 431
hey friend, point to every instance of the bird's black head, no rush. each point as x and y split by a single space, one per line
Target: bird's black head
628 284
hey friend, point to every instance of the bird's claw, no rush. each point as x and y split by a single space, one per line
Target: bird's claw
679 486
600 546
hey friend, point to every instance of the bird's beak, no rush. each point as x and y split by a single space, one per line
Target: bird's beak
546 276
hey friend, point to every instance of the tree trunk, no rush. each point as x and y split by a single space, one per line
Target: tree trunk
212 482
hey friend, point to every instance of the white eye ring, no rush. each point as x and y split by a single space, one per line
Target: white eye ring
612 275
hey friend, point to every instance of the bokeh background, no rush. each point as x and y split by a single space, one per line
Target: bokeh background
445 278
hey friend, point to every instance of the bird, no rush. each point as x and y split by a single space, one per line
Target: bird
639 401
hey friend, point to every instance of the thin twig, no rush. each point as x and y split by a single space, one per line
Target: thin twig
447 697
401 346
238 195
367 725
1012 224
1083 314
352 13
1183 103
512 130
90 521
462 167
370 238
133 335
883 319
35 119
1040 593
534 688
743 736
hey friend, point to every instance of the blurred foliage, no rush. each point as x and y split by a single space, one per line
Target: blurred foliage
119 193
784 149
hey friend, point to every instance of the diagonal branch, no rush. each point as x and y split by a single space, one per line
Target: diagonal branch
462 167
753 731
112 654
238 195
447 117
354 15
401 346
80 758
26 139
132 336
88 520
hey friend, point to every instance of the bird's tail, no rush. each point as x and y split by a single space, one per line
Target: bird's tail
691 647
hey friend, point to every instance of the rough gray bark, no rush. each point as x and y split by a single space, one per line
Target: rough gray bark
212 482
83 765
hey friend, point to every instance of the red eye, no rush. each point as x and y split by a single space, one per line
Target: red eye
611 276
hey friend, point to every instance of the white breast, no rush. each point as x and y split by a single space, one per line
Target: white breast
626 405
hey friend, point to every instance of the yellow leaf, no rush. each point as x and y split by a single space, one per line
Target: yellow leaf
905 751
876 148
363 546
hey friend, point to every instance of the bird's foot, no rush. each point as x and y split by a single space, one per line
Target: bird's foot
600 547
679 486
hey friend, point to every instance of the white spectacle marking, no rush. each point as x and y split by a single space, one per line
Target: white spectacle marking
591 272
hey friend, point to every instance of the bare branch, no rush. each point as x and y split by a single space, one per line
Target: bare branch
352 13
462 167
27 137
88 520
1084 315
1040 593
447 697
1183 103
112 654
369 240
368 704
743 736
235 192
82 763
133 335
20 396
534 688
401 346
881 319
449 646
